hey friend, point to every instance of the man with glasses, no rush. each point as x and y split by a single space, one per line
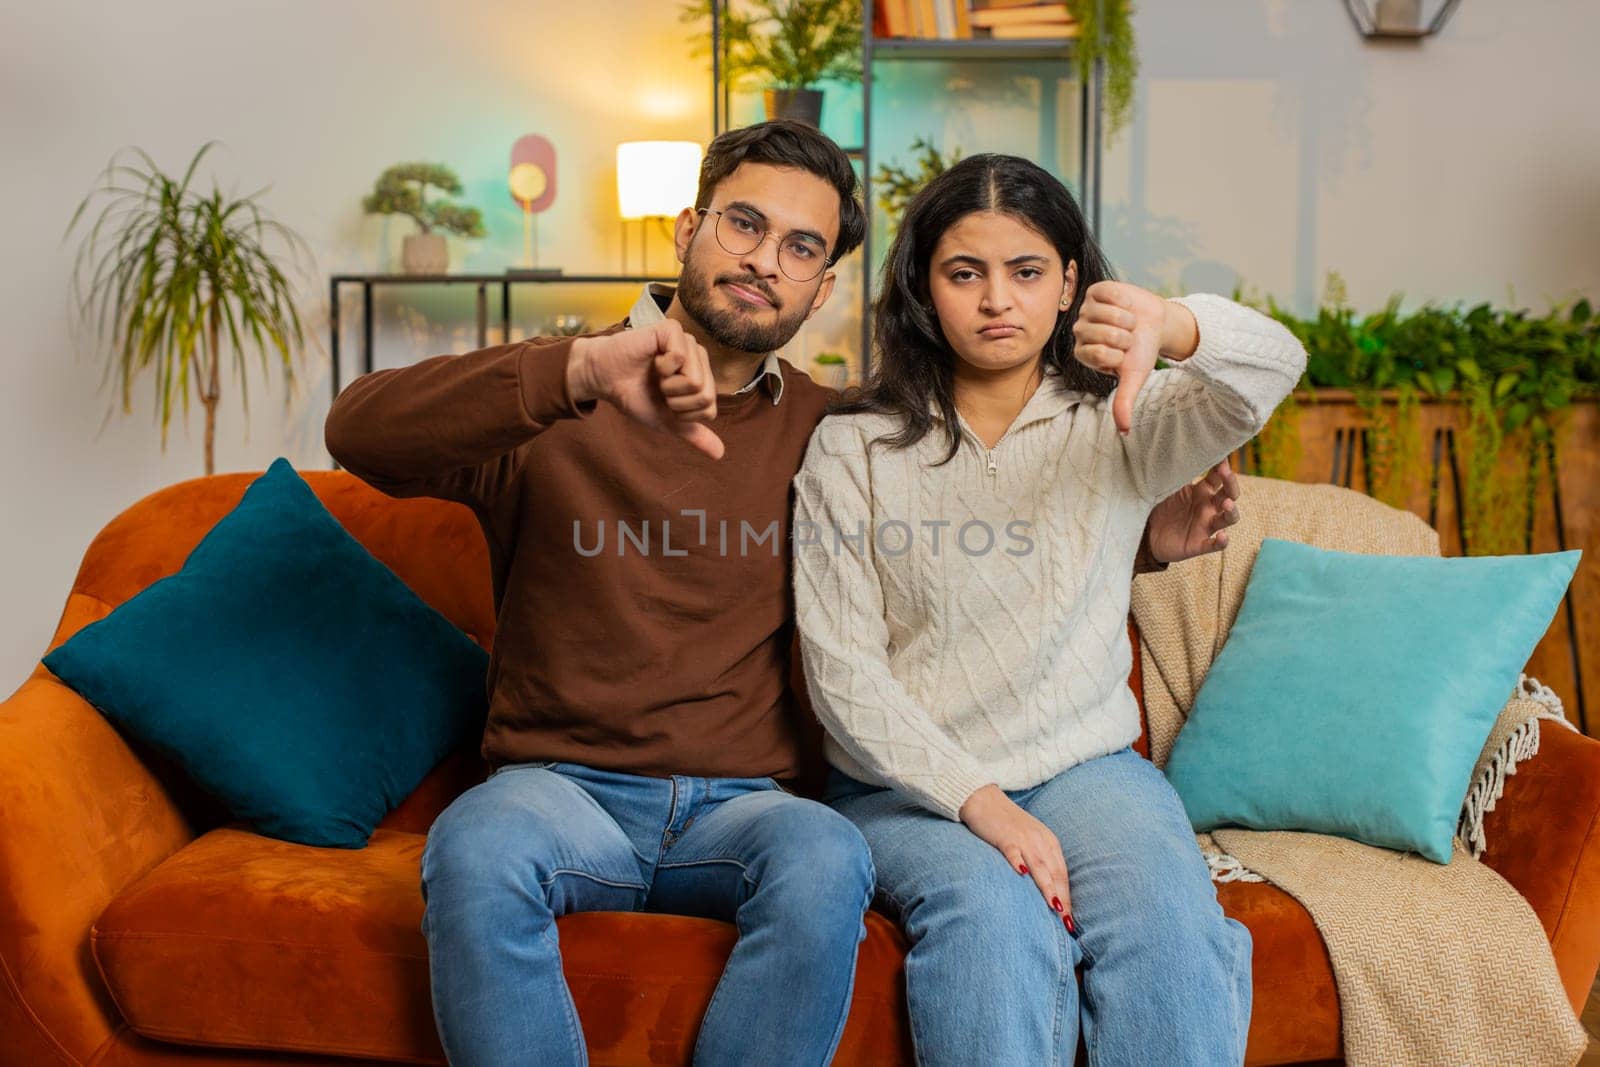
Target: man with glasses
640 718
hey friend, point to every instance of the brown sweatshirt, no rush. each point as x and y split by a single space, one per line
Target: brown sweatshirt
642 588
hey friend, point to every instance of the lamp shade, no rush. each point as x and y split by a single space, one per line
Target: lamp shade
656 177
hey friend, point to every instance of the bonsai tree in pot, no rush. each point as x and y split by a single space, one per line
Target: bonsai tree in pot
182 277
403 190
787 47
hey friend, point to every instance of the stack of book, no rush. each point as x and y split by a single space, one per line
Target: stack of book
969 19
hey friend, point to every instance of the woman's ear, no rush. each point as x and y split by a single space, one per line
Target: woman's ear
1070 288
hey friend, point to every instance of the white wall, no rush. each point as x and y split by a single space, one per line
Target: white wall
1274 144
1271 145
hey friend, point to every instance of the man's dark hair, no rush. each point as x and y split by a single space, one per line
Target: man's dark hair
786 143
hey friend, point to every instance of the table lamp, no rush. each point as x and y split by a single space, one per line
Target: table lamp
532 182
655 180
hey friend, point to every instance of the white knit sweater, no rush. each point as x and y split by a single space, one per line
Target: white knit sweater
938 666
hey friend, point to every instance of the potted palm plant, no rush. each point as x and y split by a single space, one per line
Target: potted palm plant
178 279
787 48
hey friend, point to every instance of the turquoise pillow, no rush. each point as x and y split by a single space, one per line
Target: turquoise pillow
288 672
1355 692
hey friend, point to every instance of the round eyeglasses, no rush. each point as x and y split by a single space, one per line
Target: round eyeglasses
801 256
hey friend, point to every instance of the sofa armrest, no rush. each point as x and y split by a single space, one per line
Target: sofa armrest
1543 837
82 818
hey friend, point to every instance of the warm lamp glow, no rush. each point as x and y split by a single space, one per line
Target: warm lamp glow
528 182
656 178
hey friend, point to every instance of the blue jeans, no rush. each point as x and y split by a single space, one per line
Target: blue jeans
540 840
990 974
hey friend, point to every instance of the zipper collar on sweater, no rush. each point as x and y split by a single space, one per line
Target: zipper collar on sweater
1049 400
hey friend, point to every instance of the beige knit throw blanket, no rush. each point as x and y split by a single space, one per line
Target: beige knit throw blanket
1436 964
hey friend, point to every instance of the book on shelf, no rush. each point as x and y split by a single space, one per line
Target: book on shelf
1006 16
880 20
1033 31
963 12
891 18
958 20
911 17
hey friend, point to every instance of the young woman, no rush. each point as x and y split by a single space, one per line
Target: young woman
965 532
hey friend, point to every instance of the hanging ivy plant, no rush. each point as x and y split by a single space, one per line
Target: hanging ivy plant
1105 31
1277 450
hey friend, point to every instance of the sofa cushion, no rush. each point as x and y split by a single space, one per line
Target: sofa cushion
288 672
1354 692
1294 1014
247 942
243 941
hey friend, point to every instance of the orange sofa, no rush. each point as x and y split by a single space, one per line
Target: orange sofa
139 926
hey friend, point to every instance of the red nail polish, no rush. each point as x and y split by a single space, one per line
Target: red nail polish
1022 868
1072 927
1055 902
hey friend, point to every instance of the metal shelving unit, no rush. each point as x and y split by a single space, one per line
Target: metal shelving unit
504 282
1091 92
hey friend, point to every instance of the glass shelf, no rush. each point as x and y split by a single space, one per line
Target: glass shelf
970 48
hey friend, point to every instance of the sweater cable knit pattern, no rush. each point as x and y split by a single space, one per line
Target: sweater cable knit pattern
942 658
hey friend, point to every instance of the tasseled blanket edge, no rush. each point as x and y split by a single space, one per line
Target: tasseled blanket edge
1522 744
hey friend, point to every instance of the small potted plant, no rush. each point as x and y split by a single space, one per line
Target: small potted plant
402 190
787 47
833 369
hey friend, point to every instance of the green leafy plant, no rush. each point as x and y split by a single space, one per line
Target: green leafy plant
1277 449
403 189
1105 31
830 359
1515 373
784 44
172 276
1396 442
897 185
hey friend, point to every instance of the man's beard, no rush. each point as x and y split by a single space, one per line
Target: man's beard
731 329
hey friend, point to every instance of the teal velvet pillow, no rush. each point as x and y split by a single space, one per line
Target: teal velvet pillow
1354 692
288 672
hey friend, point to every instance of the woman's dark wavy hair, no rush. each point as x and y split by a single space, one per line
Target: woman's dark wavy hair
914 363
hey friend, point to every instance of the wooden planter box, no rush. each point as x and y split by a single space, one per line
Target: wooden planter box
1331 450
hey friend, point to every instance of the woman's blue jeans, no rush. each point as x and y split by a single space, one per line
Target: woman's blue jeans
540 840
990 974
